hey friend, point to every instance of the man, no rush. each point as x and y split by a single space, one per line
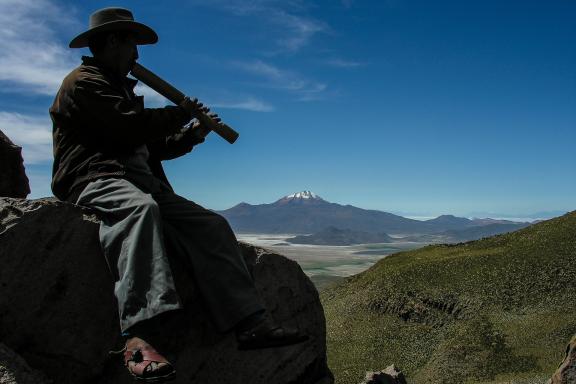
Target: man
107 156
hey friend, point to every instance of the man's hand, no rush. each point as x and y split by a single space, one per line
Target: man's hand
201 130
193 106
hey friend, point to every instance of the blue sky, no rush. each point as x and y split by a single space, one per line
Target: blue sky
415 107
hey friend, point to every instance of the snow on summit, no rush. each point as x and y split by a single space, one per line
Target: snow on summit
303 195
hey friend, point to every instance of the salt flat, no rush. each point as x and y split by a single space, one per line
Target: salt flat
324 263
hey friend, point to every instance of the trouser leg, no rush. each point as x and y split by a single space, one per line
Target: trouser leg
131 236
217 265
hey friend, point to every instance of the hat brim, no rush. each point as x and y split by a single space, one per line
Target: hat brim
143 33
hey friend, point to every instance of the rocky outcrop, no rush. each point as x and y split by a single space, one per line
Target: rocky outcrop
566 372
391 375
58 312
14 370
13 180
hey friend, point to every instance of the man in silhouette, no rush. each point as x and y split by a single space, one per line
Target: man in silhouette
107 156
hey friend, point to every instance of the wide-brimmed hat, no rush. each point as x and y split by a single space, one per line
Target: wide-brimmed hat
114 19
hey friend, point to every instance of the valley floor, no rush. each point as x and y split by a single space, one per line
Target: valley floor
327 264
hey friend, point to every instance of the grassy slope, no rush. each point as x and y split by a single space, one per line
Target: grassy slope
495 310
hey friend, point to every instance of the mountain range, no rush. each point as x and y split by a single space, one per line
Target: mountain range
305 213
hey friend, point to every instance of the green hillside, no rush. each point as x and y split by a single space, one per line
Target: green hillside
497 310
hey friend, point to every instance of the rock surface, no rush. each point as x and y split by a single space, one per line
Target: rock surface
58 312
14 370
391 375
13 179
566 372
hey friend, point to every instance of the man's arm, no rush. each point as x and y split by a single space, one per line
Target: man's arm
175 145
113 119
181 143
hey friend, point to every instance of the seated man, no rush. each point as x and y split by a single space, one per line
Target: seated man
107 153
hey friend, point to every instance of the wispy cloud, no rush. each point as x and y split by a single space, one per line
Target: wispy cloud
32 133
283 79
154 99
248 104
151 97
31 58
343 63
300 29
287 21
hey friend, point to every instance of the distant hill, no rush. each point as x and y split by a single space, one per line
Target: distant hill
488 221
307 213
491 228
496 310
335 236
447 222
478 232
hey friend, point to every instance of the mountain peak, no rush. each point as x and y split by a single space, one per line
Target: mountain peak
301 197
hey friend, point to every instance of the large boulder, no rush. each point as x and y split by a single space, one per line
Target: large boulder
13 179
14 370
390 375
58 312
566 372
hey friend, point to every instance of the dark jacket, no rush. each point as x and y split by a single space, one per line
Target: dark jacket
98 122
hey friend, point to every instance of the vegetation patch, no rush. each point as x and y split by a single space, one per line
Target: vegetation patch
495 310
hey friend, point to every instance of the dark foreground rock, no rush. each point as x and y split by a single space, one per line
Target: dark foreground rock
391 375
566 372
13 179
14 370
58 312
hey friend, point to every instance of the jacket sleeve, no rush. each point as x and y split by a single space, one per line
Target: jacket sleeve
112 118
175 145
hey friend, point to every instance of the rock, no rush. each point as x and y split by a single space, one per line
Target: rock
391 375
57 308
14 370
13 180
566 372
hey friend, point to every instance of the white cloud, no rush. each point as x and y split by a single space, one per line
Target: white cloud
261 68
32 133
31 57
151 97
154 99
284 79
342 63
287 21
249 104
300 29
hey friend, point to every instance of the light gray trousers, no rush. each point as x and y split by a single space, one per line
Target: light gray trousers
135 221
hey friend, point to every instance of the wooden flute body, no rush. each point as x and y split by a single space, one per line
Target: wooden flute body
174 95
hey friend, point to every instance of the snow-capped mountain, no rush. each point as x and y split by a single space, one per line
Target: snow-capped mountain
304 197
305 212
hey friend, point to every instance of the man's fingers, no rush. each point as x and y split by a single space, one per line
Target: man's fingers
197 106
192 104
215 117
